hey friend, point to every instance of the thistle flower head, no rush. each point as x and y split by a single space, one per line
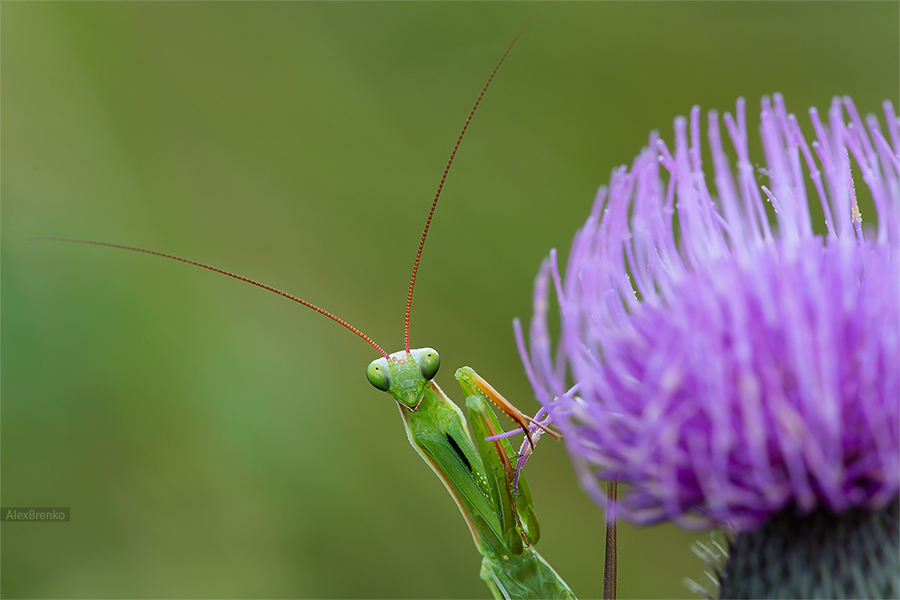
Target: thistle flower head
728 360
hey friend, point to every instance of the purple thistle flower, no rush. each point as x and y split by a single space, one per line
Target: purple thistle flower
729 362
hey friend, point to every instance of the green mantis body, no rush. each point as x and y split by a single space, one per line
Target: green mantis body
476 472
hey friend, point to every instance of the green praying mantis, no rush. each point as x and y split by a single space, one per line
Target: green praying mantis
476 468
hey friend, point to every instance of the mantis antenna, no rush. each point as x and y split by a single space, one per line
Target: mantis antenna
319 310
310 305
412 280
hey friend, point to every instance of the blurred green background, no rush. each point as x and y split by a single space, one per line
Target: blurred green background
213 440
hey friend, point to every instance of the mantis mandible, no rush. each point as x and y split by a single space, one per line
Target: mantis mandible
477 470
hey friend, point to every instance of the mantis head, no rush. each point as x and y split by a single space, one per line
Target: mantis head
405 374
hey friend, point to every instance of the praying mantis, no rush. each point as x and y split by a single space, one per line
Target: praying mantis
477 470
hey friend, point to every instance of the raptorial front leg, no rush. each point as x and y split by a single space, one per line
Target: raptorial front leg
514 502
519 571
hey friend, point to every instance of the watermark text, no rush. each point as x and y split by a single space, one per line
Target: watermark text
35 515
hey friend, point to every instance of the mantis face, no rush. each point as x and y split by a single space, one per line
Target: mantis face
405 375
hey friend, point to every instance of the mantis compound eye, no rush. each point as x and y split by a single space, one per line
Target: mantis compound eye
377 374
429 361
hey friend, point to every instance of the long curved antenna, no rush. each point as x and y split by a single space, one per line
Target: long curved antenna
412 280
319 310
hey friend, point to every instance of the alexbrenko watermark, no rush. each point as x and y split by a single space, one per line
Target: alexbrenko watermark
35 515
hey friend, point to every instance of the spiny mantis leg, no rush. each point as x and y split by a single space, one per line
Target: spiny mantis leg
527 448
524 574
506 406
610 565
515 503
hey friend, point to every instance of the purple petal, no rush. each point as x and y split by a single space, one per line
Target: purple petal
727 367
